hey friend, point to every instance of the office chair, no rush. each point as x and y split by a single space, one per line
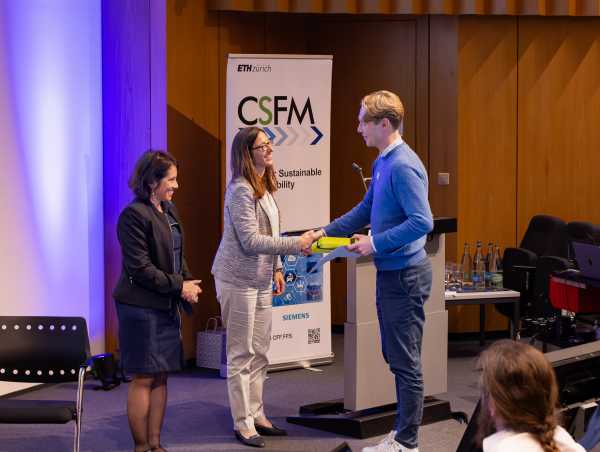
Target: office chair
44 350
540 323
545 236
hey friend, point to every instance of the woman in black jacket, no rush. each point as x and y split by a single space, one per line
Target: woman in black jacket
154 286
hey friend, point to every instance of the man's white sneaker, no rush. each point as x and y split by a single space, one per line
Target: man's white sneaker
389 444
389 437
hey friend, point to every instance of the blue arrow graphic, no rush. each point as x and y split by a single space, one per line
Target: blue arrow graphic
270 134
283 136
319 135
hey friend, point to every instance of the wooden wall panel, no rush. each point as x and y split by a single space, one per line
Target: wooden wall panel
194 139
287 33
487 140
422 88
559 107
487 107
442 128
192 62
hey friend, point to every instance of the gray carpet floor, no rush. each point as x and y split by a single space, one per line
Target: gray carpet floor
198 417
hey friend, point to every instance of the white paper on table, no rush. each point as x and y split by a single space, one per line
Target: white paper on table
340 251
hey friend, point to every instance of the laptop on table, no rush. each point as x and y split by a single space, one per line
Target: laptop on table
588 259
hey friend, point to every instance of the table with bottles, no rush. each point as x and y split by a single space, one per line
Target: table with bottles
478 281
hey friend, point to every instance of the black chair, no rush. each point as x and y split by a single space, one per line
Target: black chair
545 236
44 350
546 266
540 323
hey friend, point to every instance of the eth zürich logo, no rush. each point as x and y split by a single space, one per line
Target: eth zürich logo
277 113
254 68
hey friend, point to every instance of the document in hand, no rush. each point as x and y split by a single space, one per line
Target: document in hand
333 253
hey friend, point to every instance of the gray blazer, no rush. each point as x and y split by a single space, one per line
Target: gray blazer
248 254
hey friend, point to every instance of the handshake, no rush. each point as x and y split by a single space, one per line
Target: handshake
308 238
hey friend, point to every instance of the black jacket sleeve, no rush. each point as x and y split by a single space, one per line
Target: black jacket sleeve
134 233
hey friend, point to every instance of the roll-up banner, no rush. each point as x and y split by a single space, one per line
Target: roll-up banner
289 97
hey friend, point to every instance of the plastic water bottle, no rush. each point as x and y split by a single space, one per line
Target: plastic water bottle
466 267
478 269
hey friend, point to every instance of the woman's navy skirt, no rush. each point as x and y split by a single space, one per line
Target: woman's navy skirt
150 339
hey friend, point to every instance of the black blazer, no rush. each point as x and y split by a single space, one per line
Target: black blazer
147 276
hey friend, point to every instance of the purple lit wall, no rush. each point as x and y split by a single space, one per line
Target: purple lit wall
134 99
51 233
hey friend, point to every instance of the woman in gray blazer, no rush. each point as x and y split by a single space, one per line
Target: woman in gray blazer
247 272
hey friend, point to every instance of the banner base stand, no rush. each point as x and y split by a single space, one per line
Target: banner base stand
303 364
331 417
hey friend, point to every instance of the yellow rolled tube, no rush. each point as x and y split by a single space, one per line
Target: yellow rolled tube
327 244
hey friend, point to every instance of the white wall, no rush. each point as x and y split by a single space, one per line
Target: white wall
51 232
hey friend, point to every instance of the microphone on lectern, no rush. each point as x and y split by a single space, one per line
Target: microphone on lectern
359 170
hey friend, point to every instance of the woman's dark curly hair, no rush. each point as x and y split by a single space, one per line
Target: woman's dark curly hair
151 167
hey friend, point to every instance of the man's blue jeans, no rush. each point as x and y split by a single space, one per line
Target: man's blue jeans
401 295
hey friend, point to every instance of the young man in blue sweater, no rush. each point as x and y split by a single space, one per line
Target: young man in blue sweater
397 208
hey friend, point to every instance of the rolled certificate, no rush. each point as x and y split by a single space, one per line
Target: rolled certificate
327 244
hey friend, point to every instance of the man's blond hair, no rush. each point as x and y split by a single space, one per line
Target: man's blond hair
383 104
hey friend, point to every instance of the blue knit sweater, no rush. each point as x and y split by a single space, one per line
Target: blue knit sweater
396 205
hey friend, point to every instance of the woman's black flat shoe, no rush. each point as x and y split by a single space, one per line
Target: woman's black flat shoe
253 441
270 431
